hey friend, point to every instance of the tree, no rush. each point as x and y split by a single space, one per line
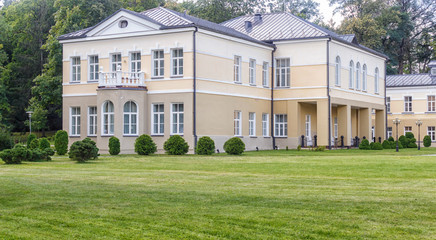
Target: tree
307 9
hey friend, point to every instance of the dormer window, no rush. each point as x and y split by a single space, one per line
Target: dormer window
433 71
123 24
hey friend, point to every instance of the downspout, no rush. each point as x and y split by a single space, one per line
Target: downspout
386 112
272 99
328 94
194 106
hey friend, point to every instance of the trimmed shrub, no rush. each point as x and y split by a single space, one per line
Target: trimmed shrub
205 146
364 145
400 145
61 142
38 155
376 146
409 135
404 141
5 140
6 156
391 139
44 143
412 143
299 148
176 145
386 144
34 144
234 146
84 150
144 145
427 141
20 153
114 146
30 138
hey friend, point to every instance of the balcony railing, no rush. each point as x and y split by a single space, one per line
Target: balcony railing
121 79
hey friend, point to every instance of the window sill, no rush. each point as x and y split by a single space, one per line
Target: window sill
408 113
93 136
238 82
253 136
430 112
252 85
281 137
157 77
78 82
130 135
265 86
157 135
266 136
176 76
282 87
74 136
238 136
172 134
92 81
107 135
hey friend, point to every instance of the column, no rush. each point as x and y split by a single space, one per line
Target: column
365 128
380 124
344 123
322 123
293 111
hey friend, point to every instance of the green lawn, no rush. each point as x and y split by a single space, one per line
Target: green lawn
261 195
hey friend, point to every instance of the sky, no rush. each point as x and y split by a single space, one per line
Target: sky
327 12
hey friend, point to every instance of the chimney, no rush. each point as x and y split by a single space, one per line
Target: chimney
257 17
248 26
432 66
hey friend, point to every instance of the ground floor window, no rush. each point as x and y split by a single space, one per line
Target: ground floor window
75 121
108 118
177 118
237 123
252 124
157 119
389 132
265 124
407 129
92 121
281 125
130 118
431 133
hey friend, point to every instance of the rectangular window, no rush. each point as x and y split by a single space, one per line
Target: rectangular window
308 126
158 119
265 75
407 129
283 72
336 128
75 121
237 69
158 63
431 133
388 104
408 104
237 117
252 72
116 62
265 124
252 124
92 121
75 69
177 62
431 103
93 68
389 132
281 125
135 62
177 118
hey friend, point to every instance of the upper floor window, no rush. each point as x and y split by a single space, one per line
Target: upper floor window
177 118
351 76
158 119
252 72
338 71
116 62
431 103
130 118
93 68
158 63
283 72
281 125
364 81
108 118
237 69
92 121
75 121
388 104
237 124
358 76
408 104
177 62
376 80
75 69
252 124
265 78
135 62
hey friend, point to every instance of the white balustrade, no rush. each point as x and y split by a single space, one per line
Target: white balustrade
120 79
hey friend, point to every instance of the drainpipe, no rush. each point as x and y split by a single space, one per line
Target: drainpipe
386 112
328 94
272 98
194 122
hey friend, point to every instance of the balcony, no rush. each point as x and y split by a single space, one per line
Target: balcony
121 79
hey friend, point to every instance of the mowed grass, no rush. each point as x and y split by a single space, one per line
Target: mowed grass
261 195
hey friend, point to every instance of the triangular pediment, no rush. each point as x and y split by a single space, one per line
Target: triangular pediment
122 23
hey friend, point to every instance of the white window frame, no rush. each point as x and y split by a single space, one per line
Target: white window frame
431 103
389 130
92 121
280 125
115 64
279 81
135 64
160 119
351 75
335 128
93 68
308 127
252 71
237 123
265 124
364 78
75 69
408 107
358 76
180 128
338 71
431 131
110 117
376 81
75 128
406 129
388 104
158 63
237 65
131 116
252 124
177 69
265 74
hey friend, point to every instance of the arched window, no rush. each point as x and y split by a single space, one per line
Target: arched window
364 72
108 118
338 71
358 76
376 79
350 83
130 118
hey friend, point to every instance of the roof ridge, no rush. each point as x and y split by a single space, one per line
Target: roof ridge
318 28
172 12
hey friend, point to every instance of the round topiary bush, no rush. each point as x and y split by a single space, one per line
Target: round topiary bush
234 146
403 140
114 146
386 144
44 143
400 145
61 142
391 139
376 146
427 141
84 150
412 143
20 153
30 138
34 144
176 145
409 135
205 146
5 140
364 145
144 145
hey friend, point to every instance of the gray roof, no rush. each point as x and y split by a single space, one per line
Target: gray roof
410 80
